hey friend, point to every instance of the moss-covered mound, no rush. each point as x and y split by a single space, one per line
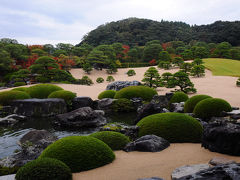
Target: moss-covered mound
8 96
107 94
20 89
80 153
45 168
115 140
192 102
146 93
179 97
42 91
122 105
174 127
68 96
211 107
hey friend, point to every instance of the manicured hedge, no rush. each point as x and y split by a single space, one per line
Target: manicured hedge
80 153
192 102
115 140
68 96
42 91
8 96
44 169
146 93
211 107
107 94
179 97
174 127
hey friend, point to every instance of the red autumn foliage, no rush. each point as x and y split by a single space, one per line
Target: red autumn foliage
126 49
166 45
152 62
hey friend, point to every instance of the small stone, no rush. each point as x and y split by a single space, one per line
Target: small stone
220 160
152 178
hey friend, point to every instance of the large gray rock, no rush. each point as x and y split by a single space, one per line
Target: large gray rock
188 170
148 143
82 117
222 137
105 104
82 101
117 85
8 177
177 107
39 107
220 161
12 119
220 172
32 144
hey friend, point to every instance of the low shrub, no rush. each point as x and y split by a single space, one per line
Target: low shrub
211 107
192 102
8 170
107 94
66 95
80 153
110 79
122 105
115 140
19 84
174 127
2 84
99 80
44 168
146 93
238 82
42 91
179 97
8 96
24 89
131 72
85 81
42 79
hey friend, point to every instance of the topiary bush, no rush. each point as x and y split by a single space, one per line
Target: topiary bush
192 102
211 107
115 140
131 72
110 79
179 97
80 153
146 93
122 105
107 94
44 168
174 127
99 80
42 91
24 89
63 94
8 96
85 80
19 84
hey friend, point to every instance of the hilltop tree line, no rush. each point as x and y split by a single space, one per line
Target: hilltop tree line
134 31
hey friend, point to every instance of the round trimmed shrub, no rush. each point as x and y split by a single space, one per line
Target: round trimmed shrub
8 96
99 80
80 153
42 91
179 97
107 94
115 140
192 102
24 89
211 107
63 94
146 93
19 84
122 105
110 79
131 72
45 168
174 127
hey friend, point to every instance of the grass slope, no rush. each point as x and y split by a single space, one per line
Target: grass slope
223 67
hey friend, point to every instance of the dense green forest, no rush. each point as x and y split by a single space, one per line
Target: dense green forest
134 31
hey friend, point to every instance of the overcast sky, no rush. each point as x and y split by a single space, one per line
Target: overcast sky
67 21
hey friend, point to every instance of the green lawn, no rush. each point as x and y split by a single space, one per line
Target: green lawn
223 67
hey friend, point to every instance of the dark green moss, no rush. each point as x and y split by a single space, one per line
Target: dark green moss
192 102
122 105
174 127
68 96
107 94
179 97
8 96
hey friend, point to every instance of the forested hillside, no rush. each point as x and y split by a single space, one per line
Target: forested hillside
134 31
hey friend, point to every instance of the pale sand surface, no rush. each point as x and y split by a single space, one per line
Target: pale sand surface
134 165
